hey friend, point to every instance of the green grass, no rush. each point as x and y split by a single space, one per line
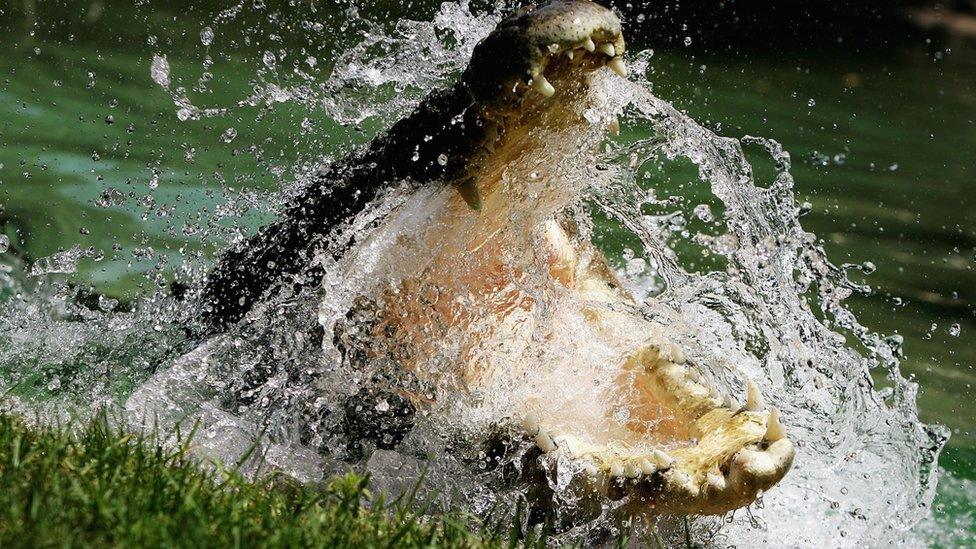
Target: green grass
99 486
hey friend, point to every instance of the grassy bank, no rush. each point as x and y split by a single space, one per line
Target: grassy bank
97 486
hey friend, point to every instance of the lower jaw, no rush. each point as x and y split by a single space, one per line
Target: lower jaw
734 453
655 481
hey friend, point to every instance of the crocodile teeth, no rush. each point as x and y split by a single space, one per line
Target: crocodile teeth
632 470
541 85
616 469
754 399
731 403
774 429
663 459
647 467
608 49
570 54
617 65
716 481
545 442
588 45
680 478
677 355
531 424
590 469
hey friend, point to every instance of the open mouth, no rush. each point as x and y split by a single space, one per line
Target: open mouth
663 436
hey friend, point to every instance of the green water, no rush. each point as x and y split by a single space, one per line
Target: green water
884 149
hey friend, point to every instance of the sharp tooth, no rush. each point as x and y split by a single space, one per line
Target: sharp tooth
677 355
680 478
607 48
570 54
731 403
633 470
716 481
663 459
754 399
614 126
531 424
647 467
590 469
545 442
616 469
774 429
617 65
588 45
541 85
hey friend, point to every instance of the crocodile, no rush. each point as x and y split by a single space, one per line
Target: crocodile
484 249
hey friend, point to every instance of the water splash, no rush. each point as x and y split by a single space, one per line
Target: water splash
762 298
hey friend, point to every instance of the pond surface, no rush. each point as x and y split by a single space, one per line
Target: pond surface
94 154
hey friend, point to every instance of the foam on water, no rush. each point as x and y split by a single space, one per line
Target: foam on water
762 301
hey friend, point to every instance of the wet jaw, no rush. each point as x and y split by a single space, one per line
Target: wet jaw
684 448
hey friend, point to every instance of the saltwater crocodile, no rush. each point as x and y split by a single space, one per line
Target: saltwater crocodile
484 249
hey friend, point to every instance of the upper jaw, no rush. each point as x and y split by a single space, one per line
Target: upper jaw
516 54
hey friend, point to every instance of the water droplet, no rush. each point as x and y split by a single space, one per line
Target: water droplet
636 266
704 212
206 36
442 159
159 70
955 330
687 41
228 135
4 243
269 59
811 103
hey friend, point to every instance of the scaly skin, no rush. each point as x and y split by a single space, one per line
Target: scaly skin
686 448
